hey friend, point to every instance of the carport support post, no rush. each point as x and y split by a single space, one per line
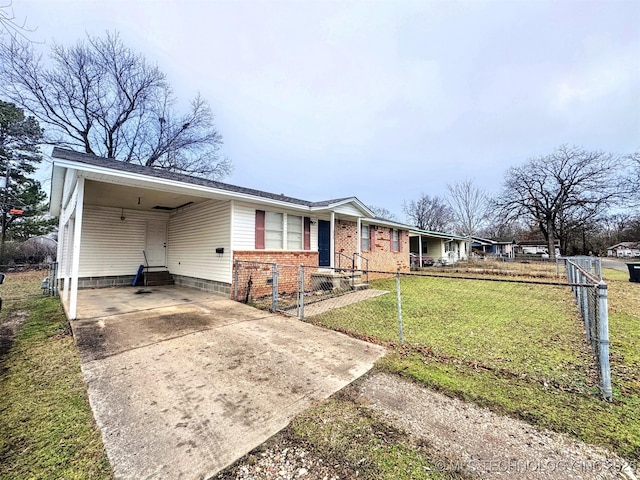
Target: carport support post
274 288
603 321
77 236
399 301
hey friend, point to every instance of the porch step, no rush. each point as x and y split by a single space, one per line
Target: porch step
340 280
155 279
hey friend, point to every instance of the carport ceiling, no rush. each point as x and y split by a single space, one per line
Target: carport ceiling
120 196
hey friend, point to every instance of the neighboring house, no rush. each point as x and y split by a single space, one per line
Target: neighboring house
488 247
535 247
624 249
443 248
116 216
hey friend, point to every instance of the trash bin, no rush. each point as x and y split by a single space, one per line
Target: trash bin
634 271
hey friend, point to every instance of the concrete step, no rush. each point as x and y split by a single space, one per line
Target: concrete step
360 286
154 279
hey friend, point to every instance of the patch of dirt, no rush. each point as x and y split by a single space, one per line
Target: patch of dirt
284 456
8 330
475 441
463 440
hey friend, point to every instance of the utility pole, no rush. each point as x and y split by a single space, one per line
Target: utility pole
4 213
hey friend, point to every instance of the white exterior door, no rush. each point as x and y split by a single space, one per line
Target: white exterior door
156 243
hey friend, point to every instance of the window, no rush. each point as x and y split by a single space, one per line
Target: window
294 232
272 230
395 240
365 239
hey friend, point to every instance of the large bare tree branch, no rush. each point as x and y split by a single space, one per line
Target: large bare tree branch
429 213
104 98
470 206
561 192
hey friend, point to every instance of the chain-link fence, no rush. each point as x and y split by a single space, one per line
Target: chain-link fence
29 281
516 320
590 291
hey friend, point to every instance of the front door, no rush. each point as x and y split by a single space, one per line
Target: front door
156 243
324 243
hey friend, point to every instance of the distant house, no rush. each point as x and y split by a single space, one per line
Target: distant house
116 216
439 247
493 248
535 247
624 250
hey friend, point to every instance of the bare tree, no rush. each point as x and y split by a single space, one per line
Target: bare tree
429 213
381 212
561 192
10 25
633 181
470 206
105 99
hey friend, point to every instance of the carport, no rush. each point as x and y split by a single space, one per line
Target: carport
184 382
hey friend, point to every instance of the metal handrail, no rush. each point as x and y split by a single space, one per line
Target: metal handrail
366 269
339 255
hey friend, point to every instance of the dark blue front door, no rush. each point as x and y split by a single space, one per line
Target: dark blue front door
324 243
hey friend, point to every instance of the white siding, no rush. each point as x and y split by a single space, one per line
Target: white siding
348 209
244 227
194 234
244 233
111 246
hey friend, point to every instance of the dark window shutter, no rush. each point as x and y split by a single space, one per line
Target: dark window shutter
372 238
391 240
259 229
307 233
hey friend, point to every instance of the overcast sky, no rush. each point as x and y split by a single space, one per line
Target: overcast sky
383 100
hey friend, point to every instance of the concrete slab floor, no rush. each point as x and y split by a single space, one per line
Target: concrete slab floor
186 382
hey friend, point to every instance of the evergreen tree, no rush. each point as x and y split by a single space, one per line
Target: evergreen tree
22 207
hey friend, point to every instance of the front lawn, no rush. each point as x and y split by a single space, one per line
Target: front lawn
517 348
46 425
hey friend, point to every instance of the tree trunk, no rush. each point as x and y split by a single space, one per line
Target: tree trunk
551 241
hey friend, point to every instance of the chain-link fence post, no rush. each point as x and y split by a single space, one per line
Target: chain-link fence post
598 262
274 287
399 301
301 292
603 326
585 304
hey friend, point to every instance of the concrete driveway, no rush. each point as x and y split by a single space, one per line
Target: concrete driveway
182 382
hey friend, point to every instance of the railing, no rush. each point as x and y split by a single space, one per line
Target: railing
339 257
590 291
364 270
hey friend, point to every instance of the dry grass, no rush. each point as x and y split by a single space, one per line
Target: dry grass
46 424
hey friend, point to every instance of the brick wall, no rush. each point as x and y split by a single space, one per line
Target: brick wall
381 257
346 240
260 274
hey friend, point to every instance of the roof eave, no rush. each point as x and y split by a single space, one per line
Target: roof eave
147 181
